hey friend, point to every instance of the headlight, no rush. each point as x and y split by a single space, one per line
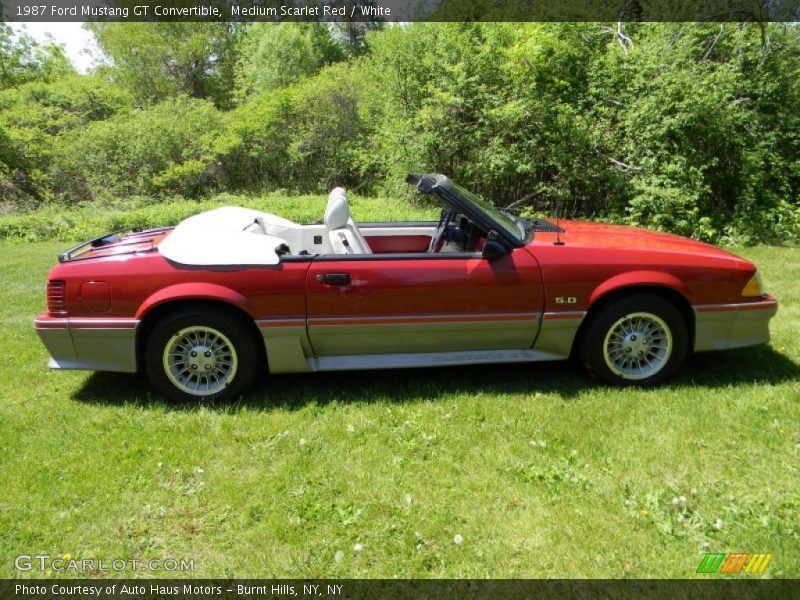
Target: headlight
754 287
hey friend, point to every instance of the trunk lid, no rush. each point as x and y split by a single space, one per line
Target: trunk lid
115 244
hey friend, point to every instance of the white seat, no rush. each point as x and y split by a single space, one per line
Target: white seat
343 233
292 233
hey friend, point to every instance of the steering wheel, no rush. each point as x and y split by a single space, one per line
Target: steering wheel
437 241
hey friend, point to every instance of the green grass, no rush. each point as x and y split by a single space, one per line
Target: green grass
88 220
542 472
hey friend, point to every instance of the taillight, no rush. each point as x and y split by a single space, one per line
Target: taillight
57 298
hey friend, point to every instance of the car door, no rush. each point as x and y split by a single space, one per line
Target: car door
390 304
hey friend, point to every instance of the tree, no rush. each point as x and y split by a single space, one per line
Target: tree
24 63
34 117
22 59
135 152
279 54
169 59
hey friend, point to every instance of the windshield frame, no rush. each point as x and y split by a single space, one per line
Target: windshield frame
507 222
512 230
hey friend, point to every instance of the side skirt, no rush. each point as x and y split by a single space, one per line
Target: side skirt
287 345
428 359
289 349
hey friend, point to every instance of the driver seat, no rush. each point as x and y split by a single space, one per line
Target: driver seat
342 231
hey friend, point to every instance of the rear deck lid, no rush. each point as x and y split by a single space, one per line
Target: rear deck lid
115 244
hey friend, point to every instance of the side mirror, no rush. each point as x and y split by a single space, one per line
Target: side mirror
493 248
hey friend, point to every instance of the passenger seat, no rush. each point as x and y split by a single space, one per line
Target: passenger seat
343 233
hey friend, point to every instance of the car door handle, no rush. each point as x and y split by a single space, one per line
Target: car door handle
336 278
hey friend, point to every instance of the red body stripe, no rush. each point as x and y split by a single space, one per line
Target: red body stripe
282 323
756 305
131 325
564 315
46 325
420 319
706 309
84 323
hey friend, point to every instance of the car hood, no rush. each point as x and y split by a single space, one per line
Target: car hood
603 235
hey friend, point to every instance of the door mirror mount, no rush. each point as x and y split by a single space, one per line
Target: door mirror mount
493 247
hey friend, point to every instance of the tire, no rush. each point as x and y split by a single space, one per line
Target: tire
225 362
640 340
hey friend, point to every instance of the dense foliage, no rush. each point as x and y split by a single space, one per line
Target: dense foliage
691 128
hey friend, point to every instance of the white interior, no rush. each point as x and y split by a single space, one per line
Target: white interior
241 236
218 237
343 233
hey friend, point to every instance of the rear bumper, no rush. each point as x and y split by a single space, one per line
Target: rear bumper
727 326
92 344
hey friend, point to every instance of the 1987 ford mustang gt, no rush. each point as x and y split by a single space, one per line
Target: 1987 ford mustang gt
202 307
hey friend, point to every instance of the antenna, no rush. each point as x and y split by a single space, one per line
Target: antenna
558 241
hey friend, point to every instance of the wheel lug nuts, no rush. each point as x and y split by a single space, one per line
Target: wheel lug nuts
194 367
208 353
194 353
633 338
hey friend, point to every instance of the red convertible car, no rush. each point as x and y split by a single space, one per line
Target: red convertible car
205 306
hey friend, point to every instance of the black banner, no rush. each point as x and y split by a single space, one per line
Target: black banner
330 589
401 10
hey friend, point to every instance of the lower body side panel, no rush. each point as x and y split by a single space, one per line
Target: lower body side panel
383 343
89 344
728 326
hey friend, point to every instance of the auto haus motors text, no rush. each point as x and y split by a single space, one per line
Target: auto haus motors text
114 589
161 590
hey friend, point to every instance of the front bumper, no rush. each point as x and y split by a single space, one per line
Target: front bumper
92 344
727 326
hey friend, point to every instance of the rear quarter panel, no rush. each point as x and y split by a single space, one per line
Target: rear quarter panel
140 283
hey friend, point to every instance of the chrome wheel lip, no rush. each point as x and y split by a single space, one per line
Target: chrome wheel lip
200 360
637 346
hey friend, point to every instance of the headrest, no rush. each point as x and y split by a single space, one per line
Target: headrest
337 213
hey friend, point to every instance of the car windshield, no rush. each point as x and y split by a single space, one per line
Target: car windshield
507 222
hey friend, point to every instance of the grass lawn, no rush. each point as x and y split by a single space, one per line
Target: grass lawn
536 470
87 220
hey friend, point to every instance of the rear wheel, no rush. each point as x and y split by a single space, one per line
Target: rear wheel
640 339
201 355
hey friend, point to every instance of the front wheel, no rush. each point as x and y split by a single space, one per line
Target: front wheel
640 340
201 355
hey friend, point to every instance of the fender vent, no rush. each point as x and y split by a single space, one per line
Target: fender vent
542 225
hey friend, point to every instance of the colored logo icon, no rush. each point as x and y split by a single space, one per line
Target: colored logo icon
734 562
